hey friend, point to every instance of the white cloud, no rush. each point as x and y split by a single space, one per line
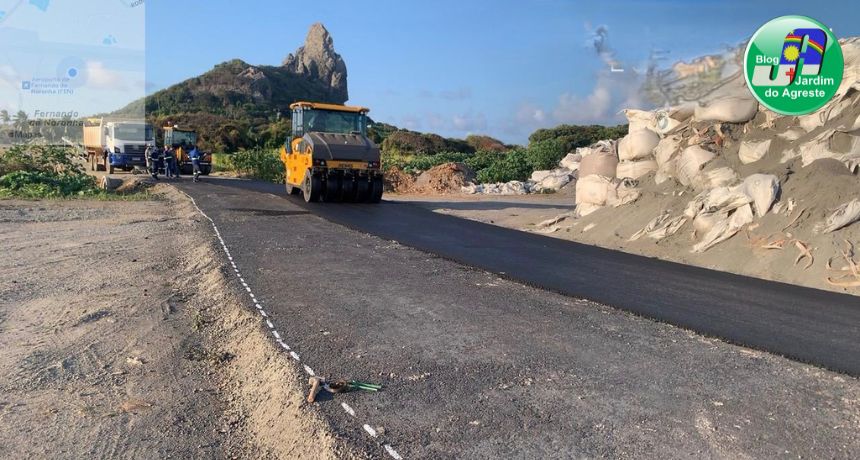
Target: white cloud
469 122
101 77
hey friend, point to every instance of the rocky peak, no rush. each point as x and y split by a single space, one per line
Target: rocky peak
317 59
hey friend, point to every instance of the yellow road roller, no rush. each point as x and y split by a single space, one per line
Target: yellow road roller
329 157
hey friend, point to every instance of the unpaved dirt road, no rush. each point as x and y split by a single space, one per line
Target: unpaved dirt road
475 366
121 338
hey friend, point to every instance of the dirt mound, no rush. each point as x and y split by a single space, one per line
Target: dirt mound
398 180
445 178
124 186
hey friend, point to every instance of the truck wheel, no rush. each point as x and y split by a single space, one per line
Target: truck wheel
332 188
311 187
376 190
362 190
291 190
206 170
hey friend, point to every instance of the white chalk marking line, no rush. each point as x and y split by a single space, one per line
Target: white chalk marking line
346 407
393 453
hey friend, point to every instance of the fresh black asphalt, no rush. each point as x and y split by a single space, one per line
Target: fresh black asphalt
809 325
478 366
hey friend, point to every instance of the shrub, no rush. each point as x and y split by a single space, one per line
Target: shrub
513 165
47 184
259 163
479 143
546 154
403 142
574 136
43 172
484 159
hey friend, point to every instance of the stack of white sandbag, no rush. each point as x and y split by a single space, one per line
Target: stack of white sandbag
636 154
597 185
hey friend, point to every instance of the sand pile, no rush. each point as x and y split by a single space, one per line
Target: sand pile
726 176
398 180
445 178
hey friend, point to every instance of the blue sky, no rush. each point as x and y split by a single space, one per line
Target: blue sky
499 67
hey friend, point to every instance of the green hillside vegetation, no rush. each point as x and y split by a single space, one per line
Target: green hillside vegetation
234 106
488 157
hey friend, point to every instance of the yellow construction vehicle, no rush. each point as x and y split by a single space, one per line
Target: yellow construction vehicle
329 156
182 140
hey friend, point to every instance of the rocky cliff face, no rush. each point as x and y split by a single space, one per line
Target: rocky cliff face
318 60
238 90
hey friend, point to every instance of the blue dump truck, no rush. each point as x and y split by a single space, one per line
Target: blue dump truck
116 145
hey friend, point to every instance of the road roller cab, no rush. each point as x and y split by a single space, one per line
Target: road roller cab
329 156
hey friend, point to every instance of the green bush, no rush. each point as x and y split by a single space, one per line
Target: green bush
259 163
574 136
514 165
484 159
43 172
47 184
546 154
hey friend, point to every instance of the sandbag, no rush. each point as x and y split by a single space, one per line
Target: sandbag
822 146
762 190
844 215
690 163
705 221
551 180
663 123
571 161
711 177
731 109
666 149
725 199
638 119
635 169
660 227
593 189
725 229
752 151
599 163
637 144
